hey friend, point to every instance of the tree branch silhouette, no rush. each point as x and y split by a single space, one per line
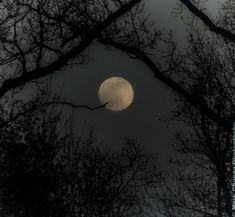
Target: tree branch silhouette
58 64
36 107
226 34
71 177
168 81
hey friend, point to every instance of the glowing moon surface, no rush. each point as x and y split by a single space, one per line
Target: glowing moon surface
118 92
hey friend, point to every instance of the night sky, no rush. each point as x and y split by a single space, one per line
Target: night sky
45 170
153 102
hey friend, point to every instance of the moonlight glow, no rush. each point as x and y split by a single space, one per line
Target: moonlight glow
118 92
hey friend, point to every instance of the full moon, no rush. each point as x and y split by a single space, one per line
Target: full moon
117 92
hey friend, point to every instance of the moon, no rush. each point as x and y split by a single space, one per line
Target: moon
117 92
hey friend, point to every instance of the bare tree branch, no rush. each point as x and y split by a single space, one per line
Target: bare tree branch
43 105
208 22
72 53
168 81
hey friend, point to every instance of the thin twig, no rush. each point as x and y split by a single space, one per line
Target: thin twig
36 107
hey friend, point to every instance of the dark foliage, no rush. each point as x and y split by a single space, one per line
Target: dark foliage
44 174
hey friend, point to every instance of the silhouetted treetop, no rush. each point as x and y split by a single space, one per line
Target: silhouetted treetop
41 37
46 172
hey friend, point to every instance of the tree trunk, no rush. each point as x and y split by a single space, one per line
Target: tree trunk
219 198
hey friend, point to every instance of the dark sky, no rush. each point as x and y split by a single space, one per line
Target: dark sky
153 100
